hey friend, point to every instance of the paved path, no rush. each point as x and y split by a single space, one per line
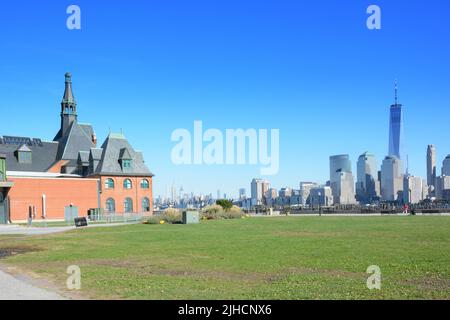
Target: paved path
12 288
30 231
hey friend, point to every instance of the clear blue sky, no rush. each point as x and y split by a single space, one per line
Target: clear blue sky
310 68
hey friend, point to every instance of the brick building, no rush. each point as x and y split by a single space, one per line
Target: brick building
47 176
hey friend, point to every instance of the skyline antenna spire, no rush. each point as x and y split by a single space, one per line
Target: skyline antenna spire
396 91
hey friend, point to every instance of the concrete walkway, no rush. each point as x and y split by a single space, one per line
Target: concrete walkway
13 229
12 288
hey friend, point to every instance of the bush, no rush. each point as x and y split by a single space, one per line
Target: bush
170 215
153 220
217 212
225 204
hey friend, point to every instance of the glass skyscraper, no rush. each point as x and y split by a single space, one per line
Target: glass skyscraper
395 128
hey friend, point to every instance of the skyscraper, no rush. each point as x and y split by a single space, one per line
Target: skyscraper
431 165
258 190
413 189
305 189
395 127
446 166
391 179
242 194
341 179
367 176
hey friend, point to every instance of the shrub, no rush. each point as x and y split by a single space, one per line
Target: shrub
225 204
153 220
216 212
170 215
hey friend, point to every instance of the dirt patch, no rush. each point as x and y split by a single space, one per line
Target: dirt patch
429 284
8 252
312 271
141 269
302 234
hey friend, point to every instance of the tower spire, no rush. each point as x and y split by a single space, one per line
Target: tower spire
68 93
396 91
68 106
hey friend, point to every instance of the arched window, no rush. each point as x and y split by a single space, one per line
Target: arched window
127 184
145 184
145 205
109 183
110 205
128 205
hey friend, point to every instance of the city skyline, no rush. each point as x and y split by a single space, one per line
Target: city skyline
321 77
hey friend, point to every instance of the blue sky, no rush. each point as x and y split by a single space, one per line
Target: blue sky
309 68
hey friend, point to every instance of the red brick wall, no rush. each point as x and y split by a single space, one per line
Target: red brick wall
60 192
119 193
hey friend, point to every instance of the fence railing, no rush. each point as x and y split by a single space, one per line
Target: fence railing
115 217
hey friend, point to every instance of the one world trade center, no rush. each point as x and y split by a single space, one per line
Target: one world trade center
395 127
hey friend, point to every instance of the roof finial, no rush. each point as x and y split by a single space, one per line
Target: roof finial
68 77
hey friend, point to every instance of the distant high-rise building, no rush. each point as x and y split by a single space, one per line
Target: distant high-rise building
272 193
259 188
431 165
395 128
391 179
218 194
413 191
367 176
345 188
341 179
285 192
242 194
442 186
305 189
446 166
321 196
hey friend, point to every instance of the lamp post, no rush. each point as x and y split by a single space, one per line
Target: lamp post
320 208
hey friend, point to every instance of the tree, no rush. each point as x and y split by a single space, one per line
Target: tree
225 204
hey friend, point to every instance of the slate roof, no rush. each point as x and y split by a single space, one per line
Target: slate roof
83 156
75 140
43 156
113 148
95 154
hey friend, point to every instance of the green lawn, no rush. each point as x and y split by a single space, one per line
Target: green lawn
255 258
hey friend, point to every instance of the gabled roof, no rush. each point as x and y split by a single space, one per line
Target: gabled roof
124 154
83 156
95 154
114 147
23 148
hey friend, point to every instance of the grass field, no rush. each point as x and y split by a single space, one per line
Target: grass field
255 258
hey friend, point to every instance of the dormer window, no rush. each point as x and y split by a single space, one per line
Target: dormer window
23 154
125 160
126 163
